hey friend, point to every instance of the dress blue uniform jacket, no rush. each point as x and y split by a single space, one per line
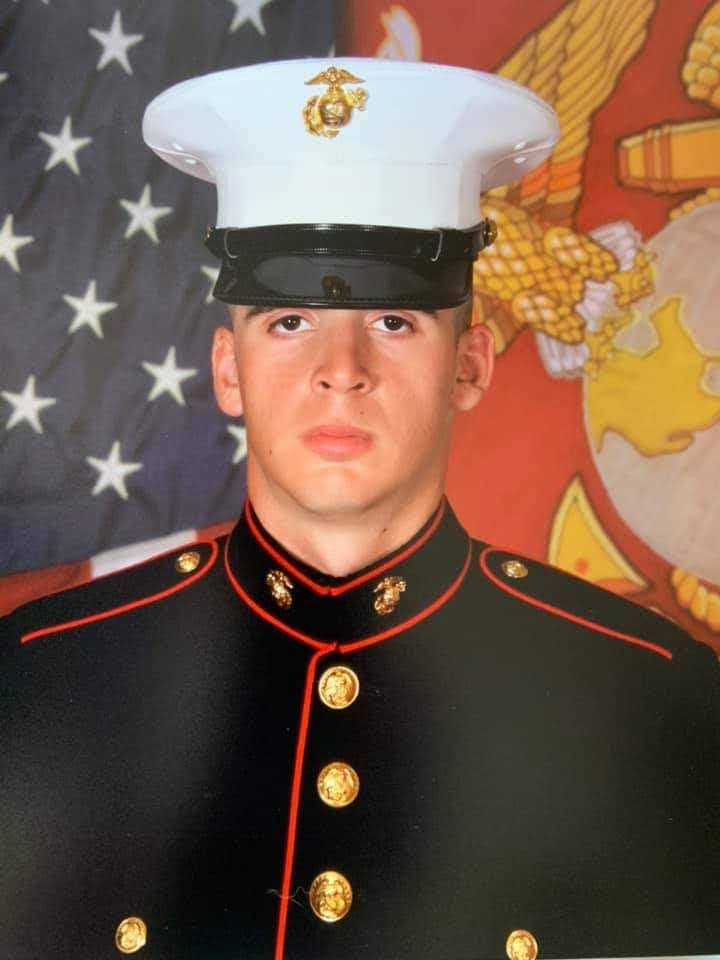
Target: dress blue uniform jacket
532 753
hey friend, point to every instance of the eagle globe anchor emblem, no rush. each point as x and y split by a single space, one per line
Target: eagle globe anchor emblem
326 114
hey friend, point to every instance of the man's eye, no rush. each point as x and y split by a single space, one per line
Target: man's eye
391 322
288 323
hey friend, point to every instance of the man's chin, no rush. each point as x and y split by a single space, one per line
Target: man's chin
338 492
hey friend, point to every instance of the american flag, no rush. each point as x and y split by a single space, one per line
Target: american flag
108 431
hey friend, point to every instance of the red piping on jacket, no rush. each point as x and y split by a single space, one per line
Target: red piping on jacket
295 790
295 802
598 627
355 644
123 608
363 578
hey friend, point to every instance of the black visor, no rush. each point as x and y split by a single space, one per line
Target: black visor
332 265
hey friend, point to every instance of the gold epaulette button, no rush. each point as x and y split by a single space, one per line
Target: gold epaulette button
515 569
187 562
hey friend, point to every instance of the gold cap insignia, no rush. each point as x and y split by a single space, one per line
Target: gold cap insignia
521 945
388 594
280 587
326 114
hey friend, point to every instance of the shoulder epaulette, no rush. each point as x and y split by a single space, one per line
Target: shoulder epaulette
572 598
116 593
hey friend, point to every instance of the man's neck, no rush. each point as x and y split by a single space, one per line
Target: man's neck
340 545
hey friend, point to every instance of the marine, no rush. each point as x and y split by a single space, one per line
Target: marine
347 729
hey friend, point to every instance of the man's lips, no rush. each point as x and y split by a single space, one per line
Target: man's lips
336 441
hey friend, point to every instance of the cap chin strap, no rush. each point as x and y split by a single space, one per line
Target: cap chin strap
350 266
350 240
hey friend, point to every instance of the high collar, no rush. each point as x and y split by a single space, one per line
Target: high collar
371 605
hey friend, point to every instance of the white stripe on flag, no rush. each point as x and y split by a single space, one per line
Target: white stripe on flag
119 557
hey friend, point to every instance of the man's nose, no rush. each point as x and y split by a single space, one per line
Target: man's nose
343 361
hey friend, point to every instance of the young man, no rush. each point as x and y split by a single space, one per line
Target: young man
347 730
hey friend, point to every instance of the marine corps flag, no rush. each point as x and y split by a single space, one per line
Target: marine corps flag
597 448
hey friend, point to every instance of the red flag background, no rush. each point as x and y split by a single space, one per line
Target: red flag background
598 446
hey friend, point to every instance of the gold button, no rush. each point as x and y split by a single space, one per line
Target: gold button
338 687
187 562
131 935
514 569
521 945
338 784
330 896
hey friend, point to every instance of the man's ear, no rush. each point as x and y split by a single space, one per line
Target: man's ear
225 374
475 360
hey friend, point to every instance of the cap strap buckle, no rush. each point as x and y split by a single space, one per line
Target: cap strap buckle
230 256
438 251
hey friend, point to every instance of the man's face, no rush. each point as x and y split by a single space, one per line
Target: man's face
347 409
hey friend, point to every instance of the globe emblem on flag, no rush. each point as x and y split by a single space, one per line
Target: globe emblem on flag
653 412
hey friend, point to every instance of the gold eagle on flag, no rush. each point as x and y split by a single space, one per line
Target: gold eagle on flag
542 273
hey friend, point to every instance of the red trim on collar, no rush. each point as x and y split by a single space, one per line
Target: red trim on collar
295 803
566 615
125 607
297 634
356 644
326 591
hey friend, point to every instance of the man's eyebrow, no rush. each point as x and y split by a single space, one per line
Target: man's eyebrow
428 313
254 311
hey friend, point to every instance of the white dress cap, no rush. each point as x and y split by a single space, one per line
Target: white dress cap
414 144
